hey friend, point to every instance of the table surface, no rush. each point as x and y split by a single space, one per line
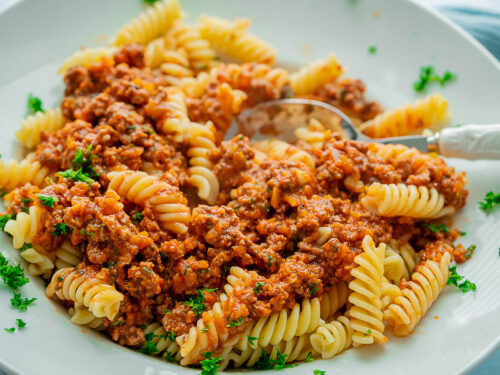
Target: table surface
482 19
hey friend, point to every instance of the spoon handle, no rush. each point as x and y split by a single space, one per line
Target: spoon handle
470 142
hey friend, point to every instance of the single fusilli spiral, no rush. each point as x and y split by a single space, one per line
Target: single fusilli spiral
165 347
311 77
175 120
70 284
405 200
366 310
333 299
153 22
176 65
394 266
198 49
14 173
168 203
409 255
39 262
194 87
153 53
332 338
389 293
201 141
67 256
233 39
81 316
314 133
424 288
87 57
26 225
281 150
408 119
32 126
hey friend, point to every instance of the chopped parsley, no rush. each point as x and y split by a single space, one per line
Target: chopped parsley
428 75
265 362
169 336
25 247
4 219
118 323
314 289
270 261
149 348
3 192
167 311
209 365
309 357
470 250
234 323
47 200
436 228
12 276
137 217
490 201
84 162
21 303
196 303
168 356
60 229
84 232
266 207
319 372
372 50
146 270
149 336
251 339
20 324
26 200
9 330
34 104
258 287
462 233
204 330
368 332
454 279
150 2
77 175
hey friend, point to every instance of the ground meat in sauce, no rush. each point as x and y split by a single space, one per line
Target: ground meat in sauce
267 215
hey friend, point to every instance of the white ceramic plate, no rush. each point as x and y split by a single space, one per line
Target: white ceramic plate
35 36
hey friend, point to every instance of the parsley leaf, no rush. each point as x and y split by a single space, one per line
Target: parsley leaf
150 2
270 261
25 247
258 287
455 278
61 228
34 104
137 217
146 270
169 335
490 200
168 356
470 250
9 330
12 276
309 357
20 324
428 75
47 200
26 201
21 303
319 372
234 323
4 219
76 175
436 228
314 289
167 311
118 323
149 348
209 365
372 50
84 162
265 362
251 339
196 303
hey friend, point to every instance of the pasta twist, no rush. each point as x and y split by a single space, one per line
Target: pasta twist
233 39
314 133
154 21
195 87
25 227
201 140
333 299
366 310
332 338
87 57
167 202
176 120
32 126
38 261
405 200
408 254
81 316
280 150
427 282
101 299
165 347
176 66
394 266
198 49
67 256
310 78
389 293
408 119
153 53
14 174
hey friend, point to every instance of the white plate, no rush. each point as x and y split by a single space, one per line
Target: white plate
35 36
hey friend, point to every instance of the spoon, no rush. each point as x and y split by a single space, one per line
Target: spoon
281 117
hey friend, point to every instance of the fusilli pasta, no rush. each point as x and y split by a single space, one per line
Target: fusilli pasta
332 338
14 173
87 57
81 316
310 78
281 150
32 126
165 347
67 256
39 263
25 227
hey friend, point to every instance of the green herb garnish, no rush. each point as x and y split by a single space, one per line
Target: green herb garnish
84 162
12 276
146 270
34 104
196 303
319 372
60 229
20 324
234 323
372 50
47 200
78 175
455 278
258 286
251 339
314 289
470 250
137 217
428 75
21 303
490 200
309 357
84 232
9 330
437 228
4 219
209 365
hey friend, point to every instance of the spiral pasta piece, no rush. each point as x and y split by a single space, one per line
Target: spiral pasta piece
310 78
25 227
39 263
67 256
198 49
14 174
427 282
154 21
32 126
405 200
366 310
176 66
194 87
87 57
233 39
280 150
333 299
314 133
167 202
165 347
394 266
408 254
69 284
153 53
81 316
176 120
389 293
408 119
332 338
201 140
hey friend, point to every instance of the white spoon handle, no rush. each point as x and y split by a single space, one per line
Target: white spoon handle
471 142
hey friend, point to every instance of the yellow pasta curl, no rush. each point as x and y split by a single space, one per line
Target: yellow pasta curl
153 53
408 119
176 119
14 174
32 126
233 39
389 293
167 202
39 262
405 200
101 299
87 57
394 266
201 141
176 66
366 310
81 316
332 338
194 87
409 255
314 133
333 299
165 347
154 21
67 256
424 288
280 150
26 225
310 78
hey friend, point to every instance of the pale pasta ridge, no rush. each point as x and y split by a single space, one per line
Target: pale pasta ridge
32 126
281 150
311 77
14 173
87 57
332 338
